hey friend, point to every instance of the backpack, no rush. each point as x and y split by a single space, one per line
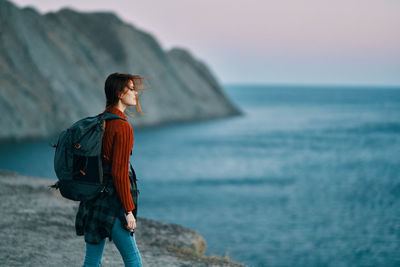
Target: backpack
78 162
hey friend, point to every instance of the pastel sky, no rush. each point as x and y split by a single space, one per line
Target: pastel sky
354 42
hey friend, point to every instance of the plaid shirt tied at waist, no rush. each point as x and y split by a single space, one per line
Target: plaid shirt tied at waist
96 217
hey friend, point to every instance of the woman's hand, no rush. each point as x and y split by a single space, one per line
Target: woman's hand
130 219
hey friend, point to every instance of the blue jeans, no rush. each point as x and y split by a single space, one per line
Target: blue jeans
125 243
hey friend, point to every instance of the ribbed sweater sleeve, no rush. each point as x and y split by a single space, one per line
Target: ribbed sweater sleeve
122 145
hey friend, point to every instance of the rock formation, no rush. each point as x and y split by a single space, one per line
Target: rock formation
53 67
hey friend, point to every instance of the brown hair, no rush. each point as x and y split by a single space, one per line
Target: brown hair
115 86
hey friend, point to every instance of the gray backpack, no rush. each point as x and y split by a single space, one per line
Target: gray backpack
77 160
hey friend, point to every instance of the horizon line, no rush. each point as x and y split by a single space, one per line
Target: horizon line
394 86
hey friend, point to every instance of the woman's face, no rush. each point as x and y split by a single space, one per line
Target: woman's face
128 98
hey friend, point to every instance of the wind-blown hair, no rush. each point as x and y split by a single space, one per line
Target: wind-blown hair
115 85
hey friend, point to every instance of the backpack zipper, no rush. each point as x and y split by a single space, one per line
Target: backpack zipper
101 153
101 163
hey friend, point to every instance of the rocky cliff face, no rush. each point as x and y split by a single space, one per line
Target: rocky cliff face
53 68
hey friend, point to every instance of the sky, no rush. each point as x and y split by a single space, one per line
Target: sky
321 42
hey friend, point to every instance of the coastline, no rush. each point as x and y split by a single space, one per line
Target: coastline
38 230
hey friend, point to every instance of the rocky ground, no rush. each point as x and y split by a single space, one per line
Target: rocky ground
37 229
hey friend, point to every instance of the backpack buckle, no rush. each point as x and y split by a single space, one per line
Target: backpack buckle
104 190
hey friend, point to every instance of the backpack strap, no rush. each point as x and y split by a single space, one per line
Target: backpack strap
130 166
133 172
110 116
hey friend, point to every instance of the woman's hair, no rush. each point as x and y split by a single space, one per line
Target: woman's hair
115 85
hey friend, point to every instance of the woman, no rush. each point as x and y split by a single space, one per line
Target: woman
111 214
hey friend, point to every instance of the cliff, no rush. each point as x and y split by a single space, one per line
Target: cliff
53 67
37 229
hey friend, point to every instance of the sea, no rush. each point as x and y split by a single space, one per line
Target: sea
306 176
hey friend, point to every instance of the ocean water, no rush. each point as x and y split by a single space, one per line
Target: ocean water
308 176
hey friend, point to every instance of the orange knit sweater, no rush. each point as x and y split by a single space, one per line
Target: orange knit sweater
116 149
